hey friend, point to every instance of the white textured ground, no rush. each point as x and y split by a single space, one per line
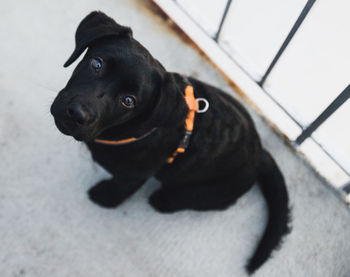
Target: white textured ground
48 227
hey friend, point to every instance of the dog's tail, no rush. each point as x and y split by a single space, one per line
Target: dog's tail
273 187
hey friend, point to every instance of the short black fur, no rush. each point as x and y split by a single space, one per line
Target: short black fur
224 158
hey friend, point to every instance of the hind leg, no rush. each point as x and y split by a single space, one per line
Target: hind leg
195 197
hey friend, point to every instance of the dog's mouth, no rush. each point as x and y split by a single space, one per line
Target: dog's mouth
80 133
71 120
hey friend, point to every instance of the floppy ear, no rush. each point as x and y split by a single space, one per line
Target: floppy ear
95 26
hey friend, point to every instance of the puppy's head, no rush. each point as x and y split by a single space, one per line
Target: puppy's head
117 80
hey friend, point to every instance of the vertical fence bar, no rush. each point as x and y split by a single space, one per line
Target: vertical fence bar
337 102
228 4
291 34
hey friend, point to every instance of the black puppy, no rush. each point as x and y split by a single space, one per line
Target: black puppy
131 114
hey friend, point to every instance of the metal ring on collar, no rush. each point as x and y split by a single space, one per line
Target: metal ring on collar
205 108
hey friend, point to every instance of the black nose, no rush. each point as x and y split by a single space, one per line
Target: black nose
79 114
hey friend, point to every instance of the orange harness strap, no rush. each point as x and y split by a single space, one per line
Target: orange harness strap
193 108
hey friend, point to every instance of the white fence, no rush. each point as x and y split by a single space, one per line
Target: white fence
298 52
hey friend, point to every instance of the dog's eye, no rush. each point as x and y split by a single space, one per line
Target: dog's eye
129 102
96 64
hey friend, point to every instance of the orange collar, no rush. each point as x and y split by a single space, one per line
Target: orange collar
124 141
193 107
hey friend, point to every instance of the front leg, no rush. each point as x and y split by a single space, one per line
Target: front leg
110 193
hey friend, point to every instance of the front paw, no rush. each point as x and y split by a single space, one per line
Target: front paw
105 194
162 202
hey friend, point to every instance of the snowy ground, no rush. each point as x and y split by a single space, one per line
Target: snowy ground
48 227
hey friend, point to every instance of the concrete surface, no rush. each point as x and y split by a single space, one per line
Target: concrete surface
48 227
